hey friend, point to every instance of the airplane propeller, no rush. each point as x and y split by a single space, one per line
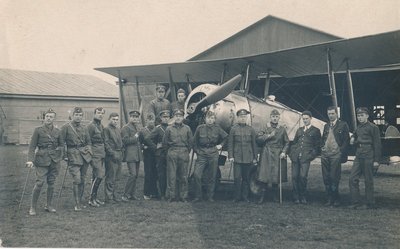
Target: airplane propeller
216 95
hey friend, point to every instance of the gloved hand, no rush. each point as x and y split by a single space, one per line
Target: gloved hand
231 160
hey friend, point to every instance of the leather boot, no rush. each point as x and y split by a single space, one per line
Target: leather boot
35 197
49 207
275 193
93 194
75 190
81 188
263 196
98 182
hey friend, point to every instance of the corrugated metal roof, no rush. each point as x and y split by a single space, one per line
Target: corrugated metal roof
362 52
266 35
20 82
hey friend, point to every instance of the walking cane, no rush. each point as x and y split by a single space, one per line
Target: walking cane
62 186
23 191
280 181
191 164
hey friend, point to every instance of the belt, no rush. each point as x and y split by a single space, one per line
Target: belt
364 145
75 146
51 147
208 145
98 142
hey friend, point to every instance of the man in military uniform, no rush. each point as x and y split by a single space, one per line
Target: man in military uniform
95 130
47 139
304 148
159 104
133 154
242 152
150 170
335 141
208 140
180 103
114 150
79 153
155 143
177 140
275 143
366 139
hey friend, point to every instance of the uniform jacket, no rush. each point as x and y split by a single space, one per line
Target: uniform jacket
177 105
156 106
207 137
178 136
242 144
368 141
131 140
306 145
95 130
113 143
50 146
155 139
342 137
144 135
77 138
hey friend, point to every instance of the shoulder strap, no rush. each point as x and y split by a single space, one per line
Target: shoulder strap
76 133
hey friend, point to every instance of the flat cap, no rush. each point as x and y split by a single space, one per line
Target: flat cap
77 110
308 113
134 113
242 112
164 113
275 112
49 111
160 86
362 110
178 112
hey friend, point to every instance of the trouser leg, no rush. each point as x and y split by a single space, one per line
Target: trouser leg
182 168
354 181
83 171
336 171
51 178
326 176
295 179
162 174
246 180
131 179
212 175
35 195
201 163
237 176
369 181
303 178
150 174
172 161
109 183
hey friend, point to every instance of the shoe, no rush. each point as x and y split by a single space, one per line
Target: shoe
50 209
336 203
134 198
246 200
77 208
367 206
171 199
303 200
296 201
354 206
99 202
328 203
146 197
125 199
236 200
163 198
210 200
93 203
196 200
116 200
183 200
32 211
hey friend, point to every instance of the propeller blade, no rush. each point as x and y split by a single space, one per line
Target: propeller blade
218 94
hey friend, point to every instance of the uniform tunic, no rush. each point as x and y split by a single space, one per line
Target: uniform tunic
95 130
368 151
114 147
177 140
274 145
178 105
156 106
130 138
206 138
149 162
47 159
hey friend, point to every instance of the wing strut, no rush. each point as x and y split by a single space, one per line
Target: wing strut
331 77
351 97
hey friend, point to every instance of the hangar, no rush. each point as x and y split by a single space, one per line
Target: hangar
26 95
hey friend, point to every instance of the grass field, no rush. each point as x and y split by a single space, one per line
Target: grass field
223 224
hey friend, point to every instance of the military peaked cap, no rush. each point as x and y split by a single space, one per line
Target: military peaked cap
49 111
180 90
242 112
160 86
178 112
134 113
77 110
164 113
362 110
274 112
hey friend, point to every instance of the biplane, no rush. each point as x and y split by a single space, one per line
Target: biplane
226 85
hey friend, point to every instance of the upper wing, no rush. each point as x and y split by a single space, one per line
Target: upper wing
362 52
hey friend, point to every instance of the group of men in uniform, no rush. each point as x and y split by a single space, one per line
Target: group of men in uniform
164 149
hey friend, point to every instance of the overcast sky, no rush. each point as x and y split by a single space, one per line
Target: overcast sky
75 36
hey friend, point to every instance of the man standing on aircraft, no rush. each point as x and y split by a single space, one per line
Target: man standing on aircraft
335 141
155 143
79 153
366 139
159 104
114 151
305 148
242 153
95 130
47 139
177 140
208 140
180 103
275 143
133 153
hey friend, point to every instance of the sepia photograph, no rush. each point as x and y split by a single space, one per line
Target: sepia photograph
200 124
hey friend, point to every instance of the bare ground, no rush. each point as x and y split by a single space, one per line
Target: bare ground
222 224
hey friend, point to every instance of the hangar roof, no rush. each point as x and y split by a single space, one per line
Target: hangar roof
266 35
33 83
